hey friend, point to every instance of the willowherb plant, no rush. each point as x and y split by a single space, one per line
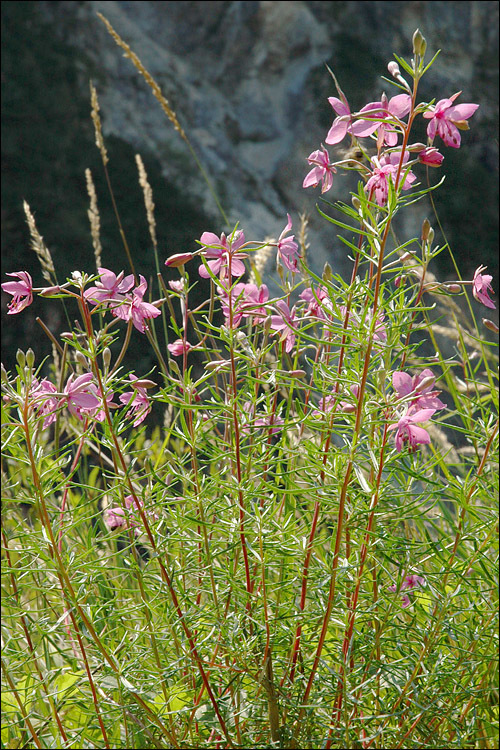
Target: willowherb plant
303 554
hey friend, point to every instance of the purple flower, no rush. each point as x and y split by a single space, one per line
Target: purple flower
321 172
384 167
288 250
447 119
481 285
137 399
22 291
417 390
220 251
408 433
284 324
135 309
110 288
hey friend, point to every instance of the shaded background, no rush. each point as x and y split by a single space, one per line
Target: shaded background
249 85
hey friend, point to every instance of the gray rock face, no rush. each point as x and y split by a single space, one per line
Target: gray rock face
249 85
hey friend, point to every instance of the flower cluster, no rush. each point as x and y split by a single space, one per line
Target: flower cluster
419 402
112 292
120 517
81 395
410 583
383 121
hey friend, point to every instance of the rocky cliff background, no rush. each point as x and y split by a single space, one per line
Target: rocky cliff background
249 85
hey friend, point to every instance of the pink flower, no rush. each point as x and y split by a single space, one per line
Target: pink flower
316 300
44 399
178 286
22 291
481 285
135 309
284 324
137 399
321 172
342 124
410 582
269 420
288 251
417 390
430 157
119 517
413 582
408 433
395 108
100 415
333 403
80 395
247 301
110 288
221 252
446 119
384 168
178 347
326 405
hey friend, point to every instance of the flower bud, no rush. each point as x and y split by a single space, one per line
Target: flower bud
4 375
426 227
393 69
348 408
49 290
327 272
453 288
30 358
82 359
424 383
490 325
419 43
20 358
142 383
106 358
179 259
356 202
430 157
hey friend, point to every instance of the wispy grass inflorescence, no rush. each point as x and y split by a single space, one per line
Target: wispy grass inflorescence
148 199
94 219
147 77
96 119
40 248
